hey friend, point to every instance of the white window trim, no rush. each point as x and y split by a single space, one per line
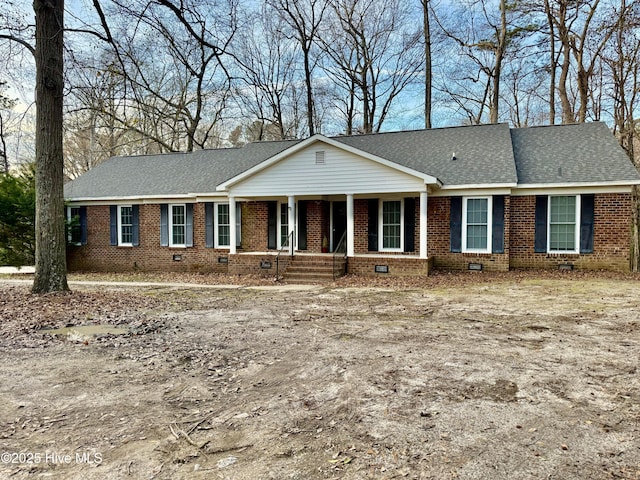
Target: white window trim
489 200
576 249
69 219
216 226
120 242
170 215
381 225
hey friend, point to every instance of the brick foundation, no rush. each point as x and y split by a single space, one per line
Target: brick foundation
397 266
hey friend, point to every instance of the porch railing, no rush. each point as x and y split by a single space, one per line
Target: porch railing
340 255
288 244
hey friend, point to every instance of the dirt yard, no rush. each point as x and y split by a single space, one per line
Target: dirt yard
464 376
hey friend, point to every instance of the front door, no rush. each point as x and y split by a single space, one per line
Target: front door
338 222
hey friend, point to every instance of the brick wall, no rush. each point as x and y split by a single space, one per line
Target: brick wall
99 255
439 240
398 266
611 241
317 224
611 235
254 226
257 264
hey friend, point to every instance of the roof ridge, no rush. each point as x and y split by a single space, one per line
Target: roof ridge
417 130
556 125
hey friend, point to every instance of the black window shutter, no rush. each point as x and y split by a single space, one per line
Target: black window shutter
189 224
586 223
540 242
373 225
497 228
409 224
302 225
83 225
455 224
164 225
208 225
113 224
135 227
272 225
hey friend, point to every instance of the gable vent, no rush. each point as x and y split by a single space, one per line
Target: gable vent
320 157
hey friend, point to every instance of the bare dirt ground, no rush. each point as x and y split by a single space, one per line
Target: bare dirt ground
465 376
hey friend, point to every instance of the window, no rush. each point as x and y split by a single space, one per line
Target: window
222 225
125 225
177 225
391 225
74 230
284 225
563 224
476 225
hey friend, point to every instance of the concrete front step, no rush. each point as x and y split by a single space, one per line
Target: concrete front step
311 269
306 278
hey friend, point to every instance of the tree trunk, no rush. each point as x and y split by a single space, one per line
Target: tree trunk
427 64
3 148
552 64
51 265
307 81
497 69
564 34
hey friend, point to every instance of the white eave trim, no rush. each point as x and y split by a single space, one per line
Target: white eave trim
189 197
579 187
477 189
615 183
472 186
428 179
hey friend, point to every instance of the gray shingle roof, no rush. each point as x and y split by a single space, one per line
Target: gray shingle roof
170 174
578 153
485 155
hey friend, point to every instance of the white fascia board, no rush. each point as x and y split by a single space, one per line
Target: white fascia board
142 199
480 189
210 197
128 200
574 188
428 179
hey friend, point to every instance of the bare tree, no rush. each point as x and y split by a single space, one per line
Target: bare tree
484 36
51 243
586 46
622 60
376 56
6 104
267 59
428 77
169 60
553 61
304 20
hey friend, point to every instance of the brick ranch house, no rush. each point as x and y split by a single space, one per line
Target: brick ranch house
475 197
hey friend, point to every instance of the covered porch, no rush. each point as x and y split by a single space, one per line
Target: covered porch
364 224
331 235
323 196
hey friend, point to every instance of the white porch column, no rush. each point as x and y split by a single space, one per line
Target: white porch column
292 222
423 224
233 240
350 227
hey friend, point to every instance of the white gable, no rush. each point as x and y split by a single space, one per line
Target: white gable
324 169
